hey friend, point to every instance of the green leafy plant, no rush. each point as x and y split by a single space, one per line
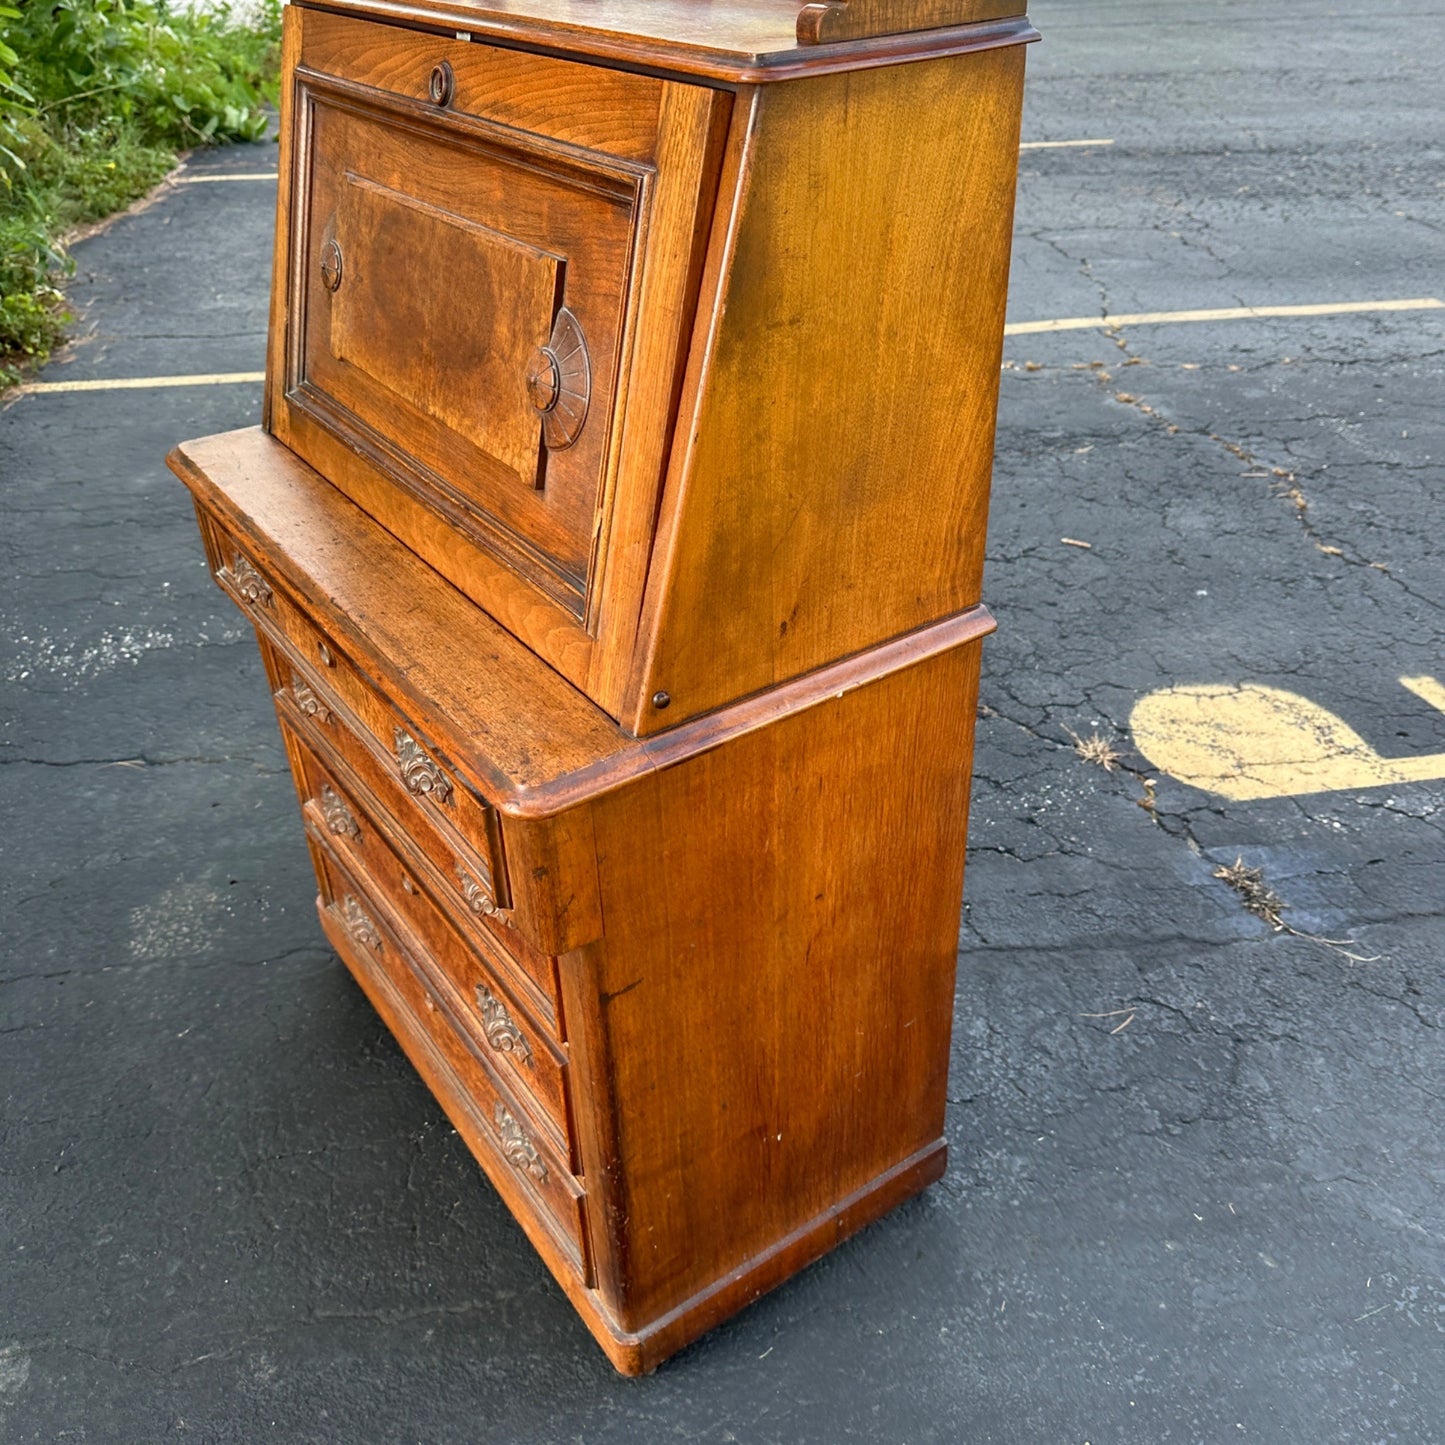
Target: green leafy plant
15 104
96 98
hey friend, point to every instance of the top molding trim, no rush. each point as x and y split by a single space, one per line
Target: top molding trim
745 42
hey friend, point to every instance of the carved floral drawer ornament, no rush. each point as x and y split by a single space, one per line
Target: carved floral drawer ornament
614 538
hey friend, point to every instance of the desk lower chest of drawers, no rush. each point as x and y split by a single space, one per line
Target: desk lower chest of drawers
688 999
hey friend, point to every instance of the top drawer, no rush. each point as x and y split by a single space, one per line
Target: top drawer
468 237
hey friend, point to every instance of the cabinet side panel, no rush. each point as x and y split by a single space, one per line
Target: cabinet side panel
830 488
771 1008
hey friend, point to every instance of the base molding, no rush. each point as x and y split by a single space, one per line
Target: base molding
639 1352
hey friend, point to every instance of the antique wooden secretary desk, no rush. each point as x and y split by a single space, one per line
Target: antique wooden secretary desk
614 540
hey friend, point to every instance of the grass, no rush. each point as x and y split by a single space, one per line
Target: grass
97 97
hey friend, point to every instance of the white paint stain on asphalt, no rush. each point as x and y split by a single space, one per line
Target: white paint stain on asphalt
76 660
141 383
179 923
1060 145
233 176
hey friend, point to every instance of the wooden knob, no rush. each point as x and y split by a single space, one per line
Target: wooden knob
359 924
518 1148
500 1027
249 582
339 818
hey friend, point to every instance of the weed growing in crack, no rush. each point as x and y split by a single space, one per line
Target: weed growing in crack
1258 898
1097 749
1150 802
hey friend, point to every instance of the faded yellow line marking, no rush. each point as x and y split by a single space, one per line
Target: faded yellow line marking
142 383
1219 313
233 176
1018 328
1052 145
1427 690
1248 742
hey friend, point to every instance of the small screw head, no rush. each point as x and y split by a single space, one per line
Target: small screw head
661 699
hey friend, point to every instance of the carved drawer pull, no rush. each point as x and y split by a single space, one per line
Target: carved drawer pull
420 773
520 1152
559 382
441 85
249 582
333 265
339 818
475 892
307 700
359 925
500 1027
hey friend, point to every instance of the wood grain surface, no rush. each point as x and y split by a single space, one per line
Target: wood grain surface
731 41
782 920
532 745
831 488
828 21
461 232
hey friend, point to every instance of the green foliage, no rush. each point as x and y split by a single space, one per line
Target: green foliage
96 97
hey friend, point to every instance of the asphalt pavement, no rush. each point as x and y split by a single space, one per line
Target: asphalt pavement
1197 1180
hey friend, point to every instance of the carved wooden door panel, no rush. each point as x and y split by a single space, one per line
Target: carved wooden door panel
459 303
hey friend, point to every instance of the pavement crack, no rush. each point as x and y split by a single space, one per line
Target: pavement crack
140 761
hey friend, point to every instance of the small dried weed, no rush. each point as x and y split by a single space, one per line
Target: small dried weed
1096 749
1261 900
1256 895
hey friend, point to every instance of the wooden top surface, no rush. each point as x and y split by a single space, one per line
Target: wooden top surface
526 737
731 40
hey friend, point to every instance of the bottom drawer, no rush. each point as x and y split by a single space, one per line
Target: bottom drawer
506 1140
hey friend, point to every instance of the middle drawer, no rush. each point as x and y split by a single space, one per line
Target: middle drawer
470 979
463 887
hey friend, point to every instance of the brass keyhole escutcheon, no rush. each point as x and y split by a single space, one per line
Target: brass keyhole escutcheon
331 265
443 83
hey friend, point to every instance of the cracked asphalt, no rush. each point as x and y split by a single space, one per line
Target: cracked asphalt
1197 1183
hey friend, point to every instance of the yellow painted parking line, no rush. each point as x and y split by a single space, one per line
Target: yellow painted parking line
1219 313
232 176
1018 328
1246 741
142 383
1052 145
